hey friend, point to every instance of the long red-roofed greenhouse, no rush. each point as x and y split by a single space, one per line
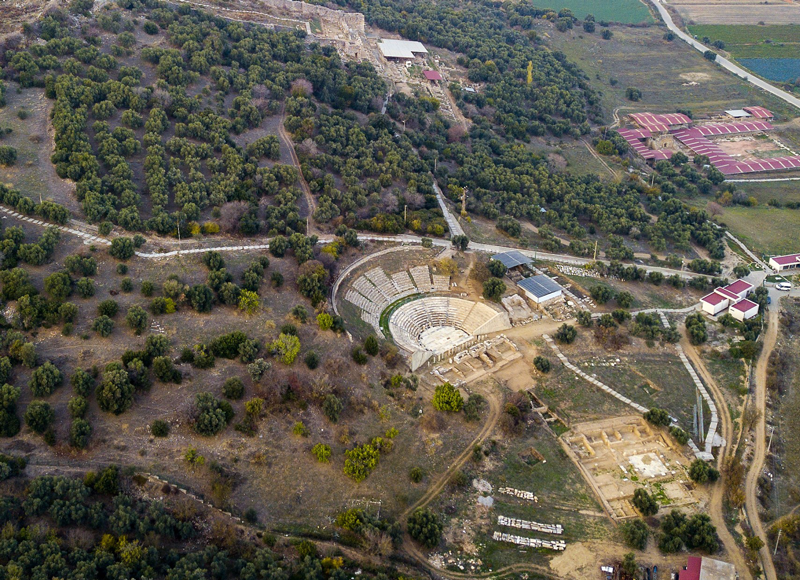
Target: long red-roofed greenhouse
658 136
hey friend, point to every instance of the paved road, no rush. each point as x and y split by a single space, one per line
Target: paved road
724 62
452 222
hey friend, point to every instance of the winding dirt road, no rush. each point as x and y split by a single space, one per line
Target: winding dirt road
760 452
715 510
493 399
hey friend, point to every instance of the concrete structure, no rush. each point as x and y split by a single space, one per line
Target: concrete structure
743 310
707 569
401 49
787 262
541 288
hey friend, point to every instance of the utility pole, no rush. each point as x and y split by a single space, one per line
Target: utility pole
464 203
405 214
595 251
771 433
778 539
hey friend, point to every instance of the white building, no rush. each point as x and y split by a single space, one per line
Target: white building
402 49
714 303
741 288
540 288
728 297
743 310
788 262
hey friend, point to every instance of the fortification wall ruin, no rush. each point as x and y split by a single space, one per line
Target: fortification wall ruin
354 20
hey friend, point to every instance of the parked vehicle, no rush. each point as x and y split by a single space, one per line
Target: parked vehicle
783 286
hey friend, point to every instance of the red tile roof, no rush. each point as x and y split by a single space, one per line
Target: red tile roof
432 75
727 294
731 128
712 299
648 120
692 571
759 112
695 140
739 287
745 305
634 136
788 259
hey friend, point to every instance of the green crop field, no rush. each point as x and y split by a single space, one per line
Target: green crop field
764 229
623 11
780 191
753 41
634 57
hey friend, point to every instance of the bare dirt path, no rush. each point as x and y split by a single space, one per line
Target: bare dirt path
493 398
411 549
287 142
715 510
597 156
760 452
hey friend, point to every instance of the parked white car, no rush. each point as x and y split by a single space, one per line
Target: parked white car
785 286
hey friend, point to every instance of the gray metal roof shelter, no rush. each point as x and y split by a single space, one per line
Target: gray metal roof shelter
512 259
540 288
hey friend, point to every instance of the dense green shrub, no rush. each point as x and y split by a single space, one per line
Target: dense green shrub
425 527
447 398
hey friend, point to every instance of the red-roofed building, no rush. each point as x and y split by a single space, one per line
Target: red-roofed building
707 569
728 297
714 303
692 571
659 122
759 112
788 262
432 75
733 297
741 288
744 310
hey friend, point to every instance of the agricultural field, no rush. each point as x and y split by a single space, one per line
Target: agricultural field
767 192
774 69
764 229
634 57
735 12
622 11
749 41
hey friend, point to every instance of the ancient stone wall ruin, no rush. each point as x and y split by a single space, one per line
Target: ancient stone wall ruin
354 20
